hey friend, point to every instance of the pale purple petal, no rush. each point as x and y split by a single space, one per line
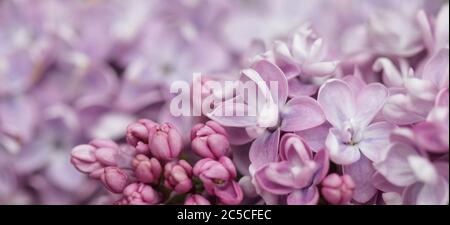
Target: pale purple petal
233 114
437 69
340 152
431 136
323 163
361 173
380 183
276 178
265 149
309 196
270 72
315 137
355 82
395 166
337 101
319 69
369 102
301 113
375 138
434 194
238 135
398 110
298 88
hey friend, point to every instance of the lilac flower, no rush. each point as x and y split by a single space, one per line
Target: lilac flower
146 170
77 71
218 179
395 32
178 176
137 134
432 134
273 115
210 140
296 174
434 30
113 178
94 156
351 107
337 189
165 142
424 181
415 95
139 194
304 62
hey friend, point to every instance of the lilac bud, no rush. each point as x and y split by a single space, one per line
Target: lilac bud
146 170
196 199
165 142
178 176
140 194
338 190
137 134
218 179
210 140
96 155
113 178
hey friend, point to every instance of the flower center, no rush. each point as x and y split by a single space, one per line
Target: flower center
218 181
351 136
268 116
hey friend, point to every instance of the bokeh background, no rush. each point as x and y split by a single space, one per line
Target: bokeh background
75 70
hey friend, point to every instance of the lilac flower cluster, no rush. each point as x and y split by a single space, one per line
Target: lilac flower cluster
360 115
149 169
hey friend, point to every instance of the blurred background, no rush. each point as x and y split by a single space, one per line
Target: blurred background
75 70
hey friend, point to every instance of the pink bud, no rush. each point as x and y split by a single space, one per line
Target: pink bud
196 199
230 193
146 170
210 140
113 178
165 142
137 134
218 179
140 194
98 154
338 190
178 176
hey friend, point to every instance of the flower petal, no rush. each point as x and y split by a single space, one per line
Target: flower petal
301 113
275 178
315 137
319 69
232 114
361 173
238 135
437 68
270 72
341 153
337 101
297 88
375 139
370 101
309 196
395 167
264 149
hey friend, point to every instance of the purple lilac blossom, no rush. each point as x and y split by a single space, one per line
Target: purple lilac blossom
360 115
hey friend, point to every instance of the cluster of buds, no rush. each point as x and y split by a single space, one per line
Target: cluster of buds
338 190
148 169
